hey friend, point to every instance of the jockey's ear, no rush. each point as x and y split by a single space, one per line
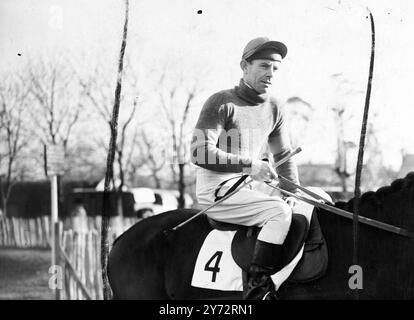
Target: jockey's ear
243 65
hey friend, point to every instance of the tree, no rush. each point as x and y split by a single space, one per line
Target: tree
14 97
98 92
177 94
56 107
375 172
150 157
343 113
299 113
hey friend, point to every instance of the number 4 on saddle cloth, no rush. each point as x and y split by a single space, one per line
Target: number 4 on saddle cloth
227 250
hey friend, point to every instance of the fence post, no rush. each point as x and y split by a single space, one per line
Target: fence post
57 258
3 231
27 233
9 232
22 225
70 288
32 232
39 232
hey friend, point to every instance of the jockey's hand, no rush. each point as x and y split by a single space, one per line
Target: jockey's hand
262 171
292 201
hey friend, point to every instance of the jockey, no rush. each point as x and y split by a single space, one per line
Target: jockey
236 129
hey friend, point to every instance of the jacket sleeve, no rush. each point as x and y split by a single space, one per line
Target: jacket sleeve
204 143
279 145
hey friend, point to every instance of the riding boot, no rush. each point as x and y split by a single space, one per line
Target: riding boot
266 258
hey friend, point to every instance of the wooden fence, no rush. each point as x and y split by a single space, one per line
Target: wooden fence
80 255
25 233
79 248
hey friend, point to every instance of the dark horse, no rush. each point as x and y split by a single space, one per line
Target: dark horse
145 264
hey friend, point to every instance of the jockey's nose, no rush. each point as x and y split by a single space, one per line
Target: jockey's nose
270 73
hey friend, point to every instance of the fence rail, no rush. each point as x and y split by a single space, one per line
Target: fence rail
36 232
79 248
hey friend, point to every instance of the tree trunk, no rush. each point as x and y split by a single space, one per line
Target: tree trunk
119 206
4 202
181 186
157 181
61 195
343 178
4 197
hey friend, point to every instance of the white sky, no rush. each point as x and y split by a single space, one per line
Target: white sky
323 37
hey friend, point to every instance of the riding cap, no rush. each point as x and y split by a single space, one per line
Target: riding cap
263 48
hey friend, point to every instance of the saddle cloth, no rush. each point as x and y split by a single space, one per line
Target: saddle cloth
226 253
217 269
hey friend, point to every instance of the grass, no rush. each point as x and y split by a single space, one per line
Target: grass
24 274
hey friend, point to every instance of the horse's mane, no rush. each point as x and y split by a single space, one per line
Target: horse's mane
393 204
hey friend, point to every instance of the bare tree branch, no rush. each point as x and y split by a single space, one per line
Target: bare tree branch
13 95
55 114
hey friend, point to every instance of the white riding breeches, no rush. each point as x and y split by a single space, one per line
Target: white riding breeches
252 206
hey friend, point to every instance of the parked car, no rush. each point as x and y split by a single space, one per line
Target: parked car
155 201
138 202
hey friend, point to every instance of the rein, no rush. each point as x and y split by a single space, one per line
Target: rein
343 213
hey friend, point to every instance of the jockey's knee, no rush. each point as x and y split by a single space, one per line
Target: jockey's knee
277 227
306 209
274 231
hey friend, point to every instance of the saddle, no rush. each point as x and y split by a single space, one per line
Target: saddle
314 261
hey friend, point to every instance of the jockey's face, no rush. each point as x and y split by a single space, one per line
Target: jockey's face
259 73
